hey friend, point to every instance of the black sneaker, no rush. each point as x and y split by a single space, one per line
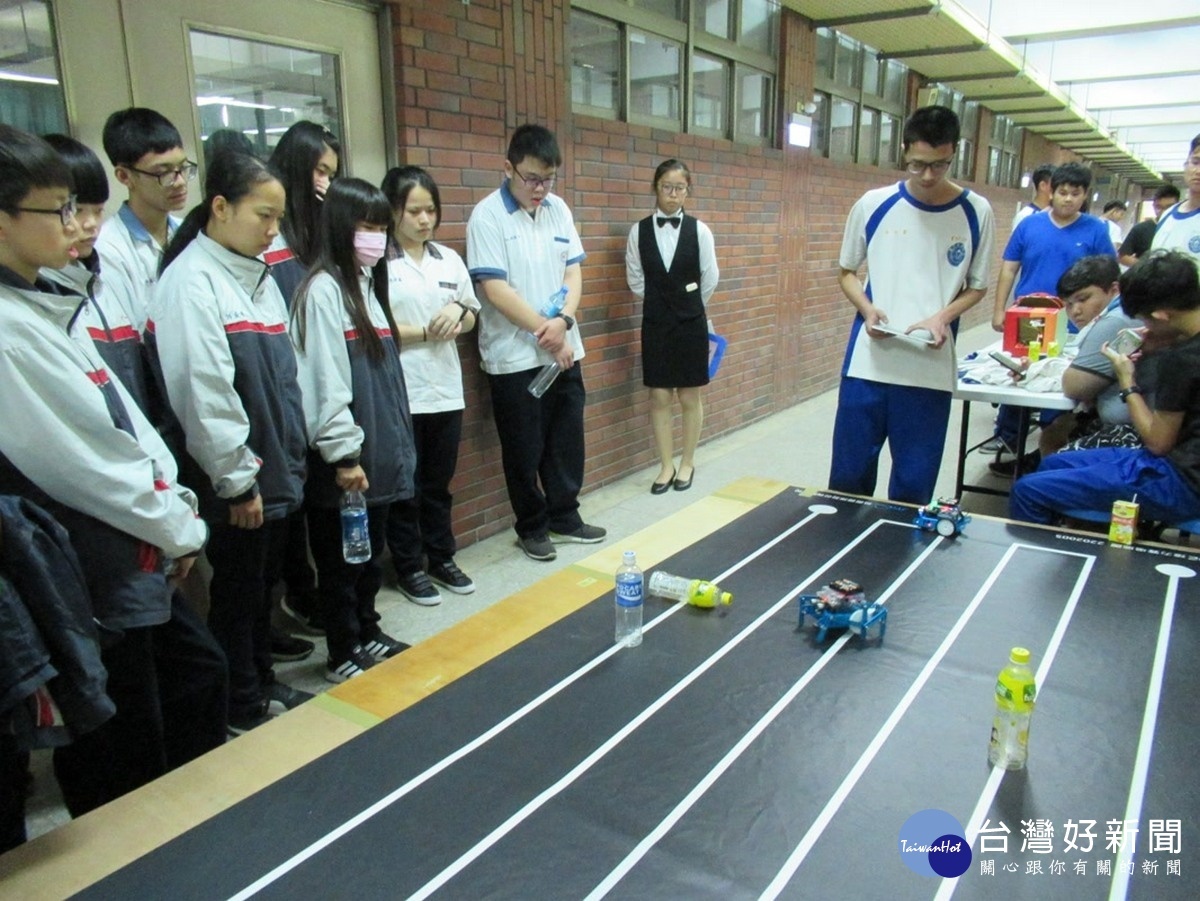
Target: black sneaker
1007 468
305 610
356 664
448 575
585 534
384 647
243 721
281 697
538 547
417 588
286 647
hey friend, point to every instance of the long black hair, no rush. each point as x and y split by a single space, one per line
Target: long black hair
232 175
91 181
348 202
398 184
293 161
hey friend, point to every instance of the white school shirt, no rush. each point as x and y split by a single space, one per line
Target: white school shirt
919 259
667 239
127 247
532 254
416 291
1178 231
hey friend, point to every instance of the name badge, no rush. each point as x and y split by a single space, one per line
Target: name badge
692 287
453 286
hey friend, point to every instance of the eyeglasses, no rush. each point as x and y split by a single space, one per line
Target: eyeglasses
939 167
167 178
673 189
66 212
533 182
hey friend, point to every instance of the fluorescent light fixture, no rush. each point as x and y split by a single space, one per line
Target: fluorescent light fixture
32 79
231 101
799 130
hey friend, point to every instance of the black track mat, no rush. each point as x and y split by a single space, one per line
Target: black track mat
685 769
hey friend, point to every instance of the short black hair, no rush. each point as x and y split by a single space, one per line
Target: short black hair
1099 270
934 125
26 164
1195 144
1076 175
1114 205
1165 191
671 165
535 141
1044 172
130 134
91 182
1161 280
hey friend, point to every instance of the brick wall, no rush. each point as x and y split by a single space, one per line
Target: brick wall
469 73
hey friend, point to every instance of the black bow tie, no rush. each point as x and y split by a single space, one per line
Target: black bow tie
673 221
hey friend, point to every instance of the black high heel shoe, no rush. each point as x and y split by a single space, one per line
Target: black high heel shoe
662 487
681 485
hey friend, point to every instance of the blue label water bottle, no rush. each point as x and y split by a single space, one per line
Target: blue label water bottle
356 538
629 601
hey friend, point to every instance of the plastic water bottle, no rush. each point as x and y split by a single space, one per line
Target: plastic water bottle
356 538
696 592
544 379
552 306
1015 693
629 598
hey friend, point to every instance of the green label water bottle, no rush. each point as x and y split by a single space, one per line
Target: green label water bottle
1015 695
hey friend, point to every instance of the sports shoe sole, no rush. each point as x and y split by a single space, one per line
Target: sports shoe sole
559 538
541 558
424 601
456 589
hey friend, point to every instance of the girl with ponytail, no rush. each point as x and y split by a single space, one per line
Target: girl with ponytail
356 409
218 329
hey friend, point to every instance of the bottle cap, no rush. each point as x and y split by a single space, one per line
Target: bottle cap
726 598
630 557
1019 655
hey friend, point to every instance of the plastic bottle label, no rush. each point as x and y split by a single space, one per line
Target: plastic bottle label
629 592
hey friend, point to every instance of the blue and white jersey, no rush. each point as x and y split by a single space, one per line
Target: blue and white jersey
1178 231
532 254
919 258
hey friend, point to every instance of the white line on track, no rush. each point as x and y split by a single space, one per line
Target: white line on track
788 870
629 728
520 713
1141 765
652 838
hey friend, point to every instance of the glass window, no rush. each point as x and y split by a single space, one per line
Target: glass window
846 69
889 140
994 165
262 89
655 76
754 105
871 83
668 8
895 78
31 93
714 17
595 64
820 126
756 28
711 81
868 134
825 44
841 129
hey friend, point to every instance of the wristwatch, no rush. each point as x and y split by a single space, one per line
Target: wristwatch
569 320
1124 394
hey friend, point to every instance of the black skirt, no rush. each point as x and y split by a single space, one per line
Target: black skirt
674 349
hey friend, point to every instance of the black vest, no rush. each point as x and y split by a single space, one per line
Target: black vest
666 295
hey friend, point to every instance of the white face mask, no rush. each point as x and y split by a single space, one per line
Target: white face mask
369 247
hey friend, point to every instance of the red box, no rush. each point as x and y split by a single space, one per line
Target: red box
1035 316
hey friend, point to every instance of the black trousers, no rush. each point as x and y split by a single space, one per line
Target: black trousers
14 783
169 686
298 573
541 439
347 590
421 525
245 566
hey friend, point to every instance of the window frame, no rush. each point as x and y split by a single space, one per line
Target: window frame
831 84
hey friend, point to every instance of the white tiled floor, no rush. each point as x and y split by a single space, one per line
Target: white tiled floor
792 447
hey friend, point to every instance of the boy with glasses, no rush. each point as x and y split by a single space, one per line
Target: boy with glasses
1179 227
147 153
927 246
522 249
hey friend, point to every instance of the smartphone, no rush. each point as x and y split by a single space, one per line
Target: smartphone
1126 341
1007 362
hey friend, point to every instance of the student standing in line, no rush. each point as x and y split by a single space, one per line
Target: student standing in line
1140 237
1179 227
433 303
927 246
522 249
218 328
305 161
356 407
147 153
84 451
671 263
